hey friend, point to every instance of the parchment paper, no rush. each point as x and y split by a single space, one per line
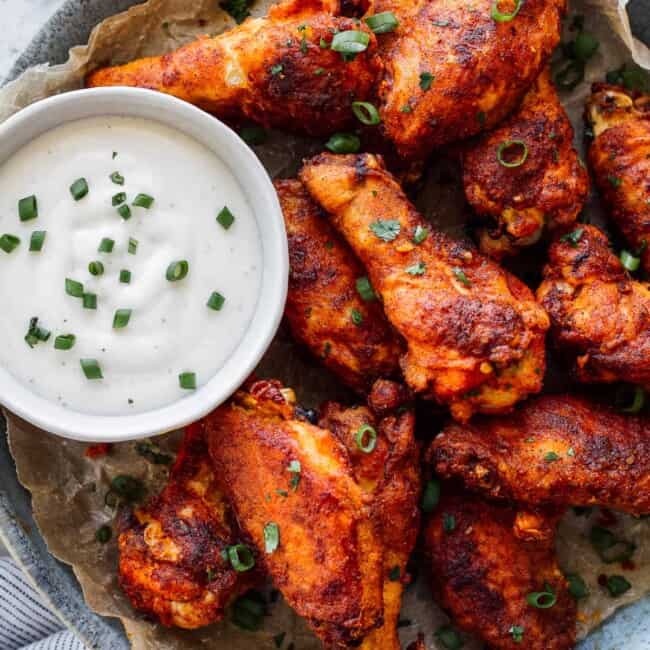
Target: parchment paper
68 489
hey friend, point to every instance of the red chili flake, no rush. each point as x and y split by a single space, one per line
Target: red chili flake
97 451
602 580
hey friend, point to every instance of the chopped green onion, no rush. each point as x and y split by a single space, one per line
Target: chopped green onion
449 637
551 456
128 487
366 113
91 369
615 181
143 201
276 69
406 109
133 246
420 234
9 242
106 245
507 147
388 230
177 270
366 438
295 469
37 240
121 318
124 211
187 380
609 548
394 574
460 275
118 198
365 290
542 599
430 496
571 75
502 17
585 46
573 238
448 522
216 301
103 534
241 558
426 79
117 178
89 300
35 333
64 341
247 612
79 189
344 143
638 401
125 276
617 586
152 453
74 288
225 218
517 633
577 587
96 268
382 23
416 269
271 537
350 41
629 261
27 208
356 316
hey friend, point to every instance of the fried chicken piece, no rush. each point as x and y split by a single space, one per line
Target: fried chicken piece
452 71
555 451
276 469
482 574
547 190
620 158
170 565
475 335
272 70
324 309
600 317
390 475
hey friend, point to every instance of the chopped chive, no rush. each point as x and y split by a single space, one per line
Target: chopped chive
344 143
89 300
143 201
9 242
366 113
365 290
420 234
118 198
516 150
64 341
629 261
225 218
124 211
500 17
104 534
551 456
295 469
133 246
448 522
121 318
573 238
426 79
74 288
517 633
366 438
460 275
117 178
216 301
125 276
542 599
28 208
356 317
187 380
79 189
615 180
91 369
394 574
177 270
617 586
37 240
241 557
114 156
96 268
35 333
106 245
382 23
577 587
271 537
430 496
350 41
449 637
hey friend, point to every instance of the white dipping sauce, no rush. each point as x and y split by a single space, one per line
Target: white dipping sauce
171 329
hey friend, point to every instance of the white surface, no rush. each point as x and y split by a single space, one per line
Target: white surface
21 19
260 194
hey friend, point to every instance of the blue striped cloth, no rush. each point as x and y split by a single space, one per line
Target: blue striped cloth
26 623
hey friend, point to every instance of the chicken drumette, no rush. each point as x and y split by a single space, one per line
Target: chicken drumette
526 175
273 70
556 451
474 333
600 317
324 309
620 158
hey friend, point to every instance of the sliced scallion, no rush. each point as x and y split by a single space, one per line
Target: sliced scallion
241 557
617 586
366 438
118 198
64 341
513 148
121 318
216 301
187 380
96 268
143 201
37 240
89 300
79 189
366 113
430 496
177 270
271 537
91 369
351 41
8 242
356 316
344 143
133 246
629 261
500 17
125 276
28 208
382 23
117 178
542 599
124 211
74 288
365 290
225 218
449 637
106 245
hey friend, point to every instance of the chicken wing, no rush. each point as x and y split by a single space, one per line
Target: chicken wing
292 487
171 565
600 317
620 158
273 70
483 575
526 175
324 310
554 451
475 335
452 70
390 475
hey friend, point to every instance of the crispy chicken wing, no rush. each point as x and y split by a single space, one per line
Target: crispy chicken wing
548 189
475 335
600 317
554 451
482 574
272 70
324 310
296 478
452 70
170 564
620 158
390 475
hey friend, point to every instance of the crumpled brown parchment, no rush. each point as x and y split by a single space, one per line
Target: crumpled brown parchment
68 489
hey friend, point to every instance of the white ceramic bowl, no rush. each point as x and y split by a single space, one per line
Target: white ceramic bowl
256 184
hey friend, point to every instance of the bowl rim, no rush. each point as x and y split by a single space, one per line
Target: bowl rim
46 114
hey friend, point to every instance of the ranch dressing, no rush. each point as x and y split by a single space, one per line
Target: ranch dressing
171 331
